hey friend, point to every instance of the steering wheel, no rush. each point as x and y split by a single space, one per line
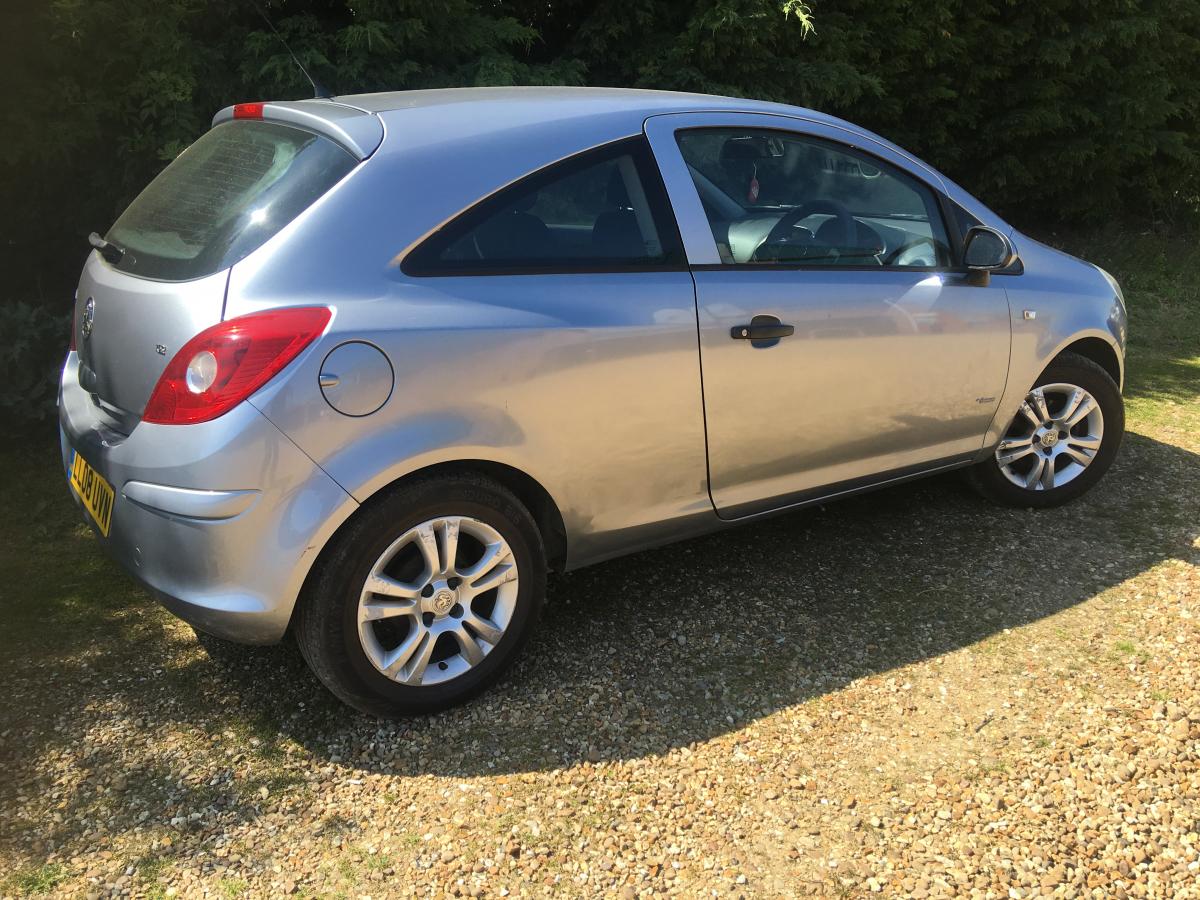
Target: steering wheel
781 232
920 252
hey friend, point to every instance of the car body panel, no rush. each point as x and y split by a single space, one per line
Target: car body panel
182 523
1069 301
588 383
136 326
888 368
554 375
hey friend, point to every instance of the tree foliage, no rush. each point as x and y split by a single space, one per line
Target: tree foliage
1056 111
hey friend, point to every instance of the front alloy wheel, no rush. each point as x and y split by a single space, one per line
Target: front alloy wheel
1061 441
1054 438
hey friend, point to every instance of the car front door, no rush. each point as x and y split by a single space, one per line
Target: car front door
838 349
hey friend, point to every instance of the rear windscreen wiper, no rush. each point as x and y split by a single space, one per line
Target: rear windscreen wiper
111 252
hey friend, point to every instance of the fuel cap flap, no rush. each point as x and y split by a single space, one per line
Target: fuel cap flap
356 378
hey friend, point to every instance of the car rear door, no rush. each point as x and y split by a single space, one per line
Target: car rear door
841 351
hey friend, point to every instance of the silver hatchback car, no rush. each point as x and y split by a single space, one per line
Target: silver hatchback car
367 368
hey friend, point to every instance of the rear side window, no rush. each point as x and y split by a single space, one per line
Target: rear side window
604 209
223 197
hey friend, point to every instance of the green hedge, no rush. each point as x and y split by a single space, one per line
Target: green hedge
1054 112
31 356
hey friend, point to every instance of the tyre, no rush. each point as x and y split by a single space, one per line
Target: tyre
424 598
1062 440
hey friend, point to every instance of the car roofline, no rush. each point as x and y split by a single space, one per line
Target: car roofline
359 122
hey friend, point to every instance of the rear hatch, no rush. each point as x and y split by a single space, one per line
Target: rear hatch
164 278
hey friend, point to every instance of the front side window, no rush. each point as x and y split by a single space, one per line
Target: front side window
223 197
603 209
779 197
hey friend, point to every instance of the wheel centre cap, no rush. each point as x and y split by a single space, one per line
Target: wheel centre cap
1049 438
443 601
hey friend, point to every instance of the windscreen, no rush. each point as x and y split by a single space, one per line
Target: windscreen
224 197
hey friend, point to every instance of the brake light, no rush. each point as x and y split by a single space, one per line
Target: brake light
247 110
223 365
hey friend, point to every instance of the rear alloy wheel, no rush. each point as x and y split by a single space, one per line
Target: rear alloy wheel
1061 441
436 626
425 597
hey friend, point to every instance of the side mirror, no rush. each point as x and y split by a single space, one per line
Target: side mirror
986 250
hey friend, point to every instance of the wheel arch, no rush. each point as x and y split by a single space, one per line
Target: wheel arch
532 494
528 491
1027 365
1098 351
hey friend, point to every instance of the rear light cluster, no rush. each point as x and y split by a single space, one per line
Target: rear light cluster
223 365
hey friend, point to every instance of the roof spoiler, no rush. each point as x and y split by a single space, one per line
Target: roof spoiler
358 131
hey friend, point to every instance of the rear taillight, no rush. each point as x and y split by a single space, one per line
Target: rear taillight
223 365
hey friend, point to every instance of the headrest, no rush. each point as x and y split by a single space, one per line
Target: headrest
617 195
741 148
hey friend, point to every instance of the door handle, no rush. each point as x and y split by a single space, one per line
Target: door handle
761 328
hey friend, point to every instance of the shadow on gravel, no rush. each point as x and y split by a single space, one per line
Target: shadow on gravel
656 651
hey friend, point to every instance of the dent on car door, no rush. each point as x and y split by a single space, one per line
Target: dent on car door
836 347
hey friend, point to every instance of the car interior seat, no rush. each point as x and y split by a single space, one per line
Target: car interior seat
516 233
615 233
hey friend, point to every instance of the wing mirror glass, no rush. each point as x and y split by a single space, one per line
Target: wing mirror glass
986 249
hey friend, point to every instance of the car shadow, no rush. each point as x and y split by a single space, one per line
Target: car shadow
644 654
680 644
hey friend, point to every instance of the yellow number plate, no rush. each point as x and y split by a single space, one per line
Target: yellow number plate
94 491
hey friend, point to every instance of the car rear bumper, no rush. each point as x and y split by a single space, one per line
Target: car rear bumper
221 520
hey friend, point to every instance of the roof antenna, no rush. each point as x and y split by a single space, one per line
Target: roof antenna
319 91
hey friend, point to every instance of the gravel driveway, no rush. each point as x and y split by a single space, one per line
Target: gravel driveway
911 693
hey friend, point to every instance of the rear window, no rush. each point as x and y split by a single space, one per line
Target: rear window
223 197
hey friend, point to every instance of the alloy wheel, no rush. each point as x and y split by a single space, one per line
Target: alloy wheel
1055 436
438 600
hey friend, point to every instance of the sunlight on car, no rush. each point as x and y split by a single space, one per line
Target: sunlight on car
365 370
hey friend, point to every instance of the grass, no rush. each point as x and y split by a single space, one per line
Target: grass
232 887
376 862
1161 282
151 867
348 870
1124 649
40 880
